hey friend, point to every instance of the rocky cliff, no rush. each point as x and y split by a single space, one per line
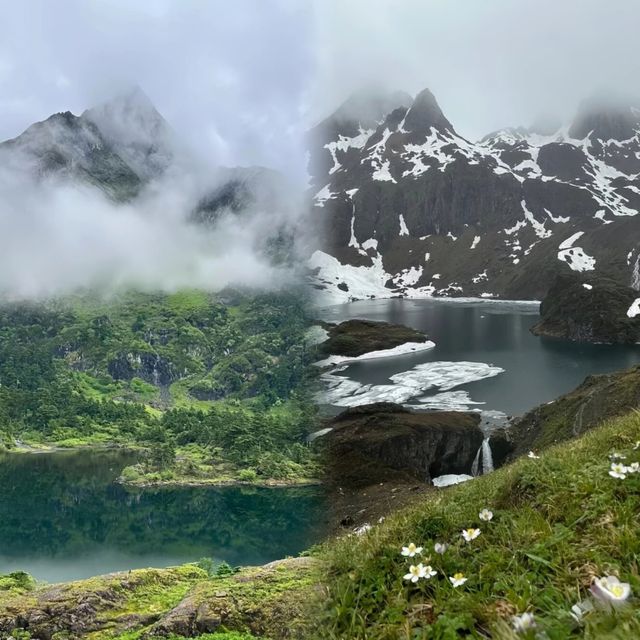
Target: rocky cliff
590 310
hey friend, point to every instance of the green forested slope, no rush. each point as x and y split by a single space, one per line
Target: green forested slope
221 377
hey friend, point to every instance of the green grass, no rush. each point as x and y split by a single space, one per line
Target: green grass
181 398
188 300
559 521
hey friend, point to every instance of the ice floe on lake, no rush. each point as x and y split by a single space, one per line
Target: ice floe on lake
403 349
342 391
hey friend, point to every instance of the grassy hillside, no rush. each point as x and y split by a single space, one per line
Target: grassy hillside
559 521
221 380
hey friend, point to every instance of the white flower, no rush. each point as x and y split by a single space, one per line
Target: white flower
470 534
609 590
524 623
616 456
634 467
485 515
457 579
618 470
636 446
580 609
380 519
411 550
429 572
533 456
416 572
440 547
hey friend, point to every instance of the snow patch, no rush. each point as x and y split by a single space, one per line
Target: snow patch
634 309
403 226
344 143
323 195
575 257
449 479
448 401
400 350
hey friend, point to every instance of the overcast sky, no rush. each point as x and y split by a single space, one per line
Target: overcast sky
241 80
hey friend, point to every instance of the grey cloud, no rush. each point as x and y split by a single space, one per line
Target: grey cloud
229 77
490 64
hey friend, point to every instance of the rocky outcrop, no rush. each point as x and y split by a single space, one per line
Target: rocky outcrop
584 309
148 366
76 609
354 338
598 398
381 457
117 146
269 601
380 441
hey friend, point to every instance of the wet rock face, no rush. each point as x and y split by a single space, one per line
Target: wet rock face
595 313
382 441
502 445
150 367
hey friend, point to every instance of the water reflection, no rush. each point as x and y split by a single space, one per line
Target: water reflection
62 517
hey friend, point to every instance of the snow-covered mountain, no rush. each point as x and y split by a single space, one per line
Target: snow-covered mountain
409 207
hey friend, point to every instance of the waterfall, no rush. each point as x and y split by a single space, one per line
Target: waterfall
487 458
635 276
475 467
483 457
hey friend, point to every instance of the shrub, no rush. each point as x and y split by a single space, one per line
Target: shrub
247 475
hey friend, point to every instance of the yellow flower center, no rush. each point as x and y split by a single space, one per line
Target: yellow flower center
457 576
616 590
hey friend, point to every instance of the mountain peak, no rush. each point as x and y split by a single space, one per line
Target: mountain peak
425 113
131 122
606 117
369 106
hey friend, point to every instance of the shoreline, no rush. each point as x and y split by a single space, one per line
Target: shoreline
459 299
213 483
270 483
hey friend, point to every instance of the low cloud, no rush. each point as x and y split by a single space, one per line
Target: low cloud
57 237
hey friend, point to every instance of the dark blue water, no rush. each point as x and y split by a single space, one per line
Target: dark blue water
62 517
537 370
